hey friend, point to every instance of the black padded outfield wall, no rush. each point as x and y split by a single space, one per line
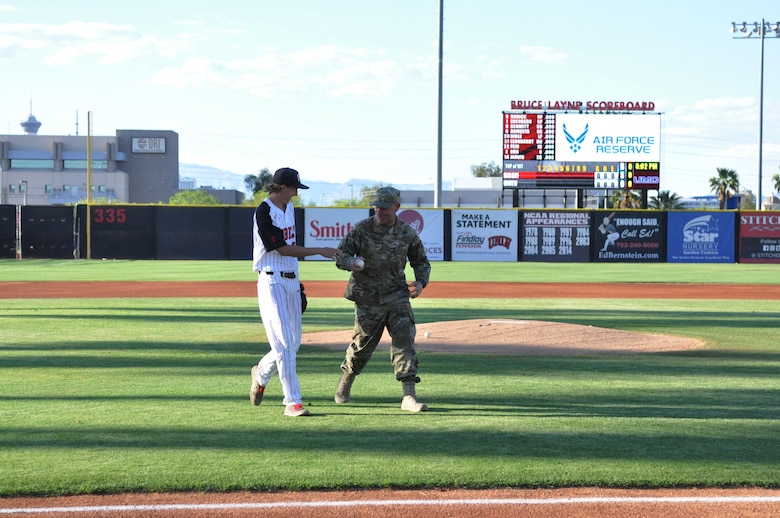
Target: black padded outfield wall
487 235
240 232
166 232
47 232
118 231
7 231
191 232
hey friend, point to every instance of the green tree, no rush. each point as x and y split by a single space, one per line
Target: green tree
485 170
259 182
626 199
367 193
666 200
257 198
195 197
724 185
364 197
776 180
747 201
101 200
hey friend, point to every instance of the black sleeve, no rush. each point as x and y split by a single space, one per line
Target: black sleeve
271 235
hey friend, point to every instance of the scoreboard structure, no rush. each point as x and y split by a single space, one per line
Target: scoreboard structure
549 149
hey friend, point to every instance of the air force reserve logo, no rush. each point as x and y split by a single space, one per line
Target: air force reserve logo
596 137
575 143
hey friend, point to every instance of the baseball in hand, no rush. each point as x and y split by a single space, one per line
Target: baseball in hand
358 264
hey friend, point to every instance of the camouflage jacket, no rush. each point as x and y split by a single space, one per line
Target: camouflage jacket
386 250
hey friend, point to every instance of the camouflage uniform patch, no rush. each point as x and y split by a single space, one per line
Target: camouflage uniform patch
380 292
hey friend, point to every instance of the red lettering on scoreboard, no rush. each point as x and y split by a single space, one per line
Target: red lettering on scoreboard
620 106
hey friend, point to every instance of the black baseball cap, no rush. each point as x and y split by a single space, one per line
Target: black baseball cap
289 177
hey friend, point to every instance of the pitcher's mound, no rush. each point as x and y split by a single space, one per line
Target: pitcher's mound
520 337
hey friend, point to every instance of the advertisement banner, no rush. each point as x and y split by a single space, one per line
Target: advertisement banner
759 237
556 236
700 237
591 137
629 236
484 235
326 227
429 224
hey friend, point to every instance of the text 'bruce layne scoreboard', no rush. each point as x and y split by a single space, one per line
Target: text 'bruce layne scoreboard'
582 150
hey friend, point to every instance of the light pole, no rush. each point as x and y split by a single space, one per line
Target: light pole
440 126
760 29
23 190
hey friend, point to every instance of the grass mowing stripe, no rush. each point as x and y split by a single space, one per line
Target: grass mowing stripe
127 270
151 395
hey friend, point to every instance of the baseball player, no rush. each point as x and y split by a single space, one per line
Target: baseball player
275 259
376 251
610 230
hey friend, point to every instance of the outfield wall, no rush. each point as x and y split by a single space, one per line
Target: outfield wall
491 235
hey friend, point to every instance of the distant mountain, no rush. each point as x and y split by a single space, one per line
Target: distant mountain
206 176
319 193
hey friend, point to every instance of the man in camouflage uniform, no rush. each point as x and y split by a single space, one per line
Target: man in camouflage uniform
381 294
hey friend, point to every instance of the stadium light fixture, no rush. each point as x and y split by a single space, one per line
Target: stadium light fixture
761 29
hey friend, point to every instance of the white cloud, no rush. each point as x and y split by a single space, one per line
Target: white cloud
713 116
546 55
725 103
198 72
333 70
66 43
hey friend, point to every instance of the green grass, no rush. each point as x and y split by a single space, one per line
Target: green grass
112 395
62 270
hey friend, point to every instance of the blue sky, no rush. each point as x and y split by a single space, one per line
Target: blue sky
343 89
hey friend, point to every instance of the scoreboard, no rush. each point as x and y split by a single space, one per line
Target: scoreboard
581 150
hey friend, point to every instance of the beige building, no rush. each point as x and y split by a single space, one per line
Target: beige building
133 166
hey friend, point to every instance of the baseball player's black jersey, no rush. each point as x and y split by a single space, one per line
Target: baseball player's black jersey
273 228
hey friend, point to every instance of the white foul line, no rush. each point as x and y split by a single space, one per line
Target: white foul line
394 503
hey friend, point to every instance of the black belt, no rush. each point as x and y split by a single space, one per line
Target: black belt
286 275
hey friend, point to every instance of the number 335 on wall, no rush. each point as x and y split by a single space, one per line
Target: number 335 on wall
110 215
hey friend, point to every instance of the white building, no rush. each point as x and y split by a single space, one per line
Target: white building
133 166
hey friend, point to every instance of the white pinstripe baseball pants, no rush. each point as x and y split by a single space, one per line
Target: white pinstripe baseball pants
279 300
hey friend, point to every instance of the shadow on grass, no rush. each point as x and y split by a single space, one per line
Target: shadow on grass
675 444
663 321
175 314
316 360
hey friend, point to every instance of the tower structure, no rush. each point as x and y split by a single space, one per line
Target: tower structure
31 125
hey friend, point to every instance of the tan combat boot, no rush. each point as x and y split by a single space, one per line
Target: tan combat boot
345 385
410 403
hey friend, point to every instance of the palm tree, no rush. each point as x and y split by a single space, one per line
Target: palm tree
666 200
776 180
724 185
625 199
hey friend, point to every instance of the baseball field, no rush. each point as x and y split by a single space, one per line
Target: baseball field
132 378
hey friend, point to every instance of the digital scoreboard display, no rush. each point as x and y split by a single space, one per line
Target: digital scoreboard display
581 150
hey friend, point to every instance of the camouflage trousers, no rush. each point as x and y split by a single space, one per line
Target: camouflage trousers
370 323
